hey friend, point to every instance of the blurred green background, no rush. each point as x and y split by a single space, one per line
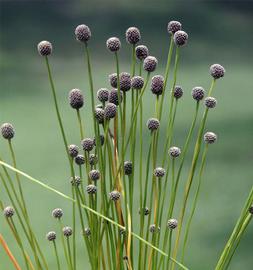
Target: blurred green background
219 32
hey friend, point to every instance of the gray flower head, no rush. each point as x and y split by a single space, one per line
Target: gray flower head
76 99
113 80
174 151
198 93
76 181
113 96
103 94
94 175
110 111
93 159
178 92
210 102
172 223
173 27
57 213
87 232
180 38
157 84
87 144
154 229
137 82
102 140
100 115
210 137
114 195
9 211
159 172
125 81
82 33
91 189
217 71
113 44
79 160
153 124
73 150
141 52
45 48
133 35
7 131
51 236
150 63
145 211
128 167
67 231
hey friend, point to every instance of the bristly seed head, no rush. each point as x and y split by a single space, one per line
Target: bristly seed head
67 231
100 115
217 71
153 124
210 137
102 140
173 27
178 92
150 63
94 175
172 223
79 160
128 167
145 211
113 80
137 82
76 181
9 211
87 144
113 96
45 48
141 52
113 44
157 84
110 111
180 38
198 93
83 33
174 151
93 159
210 102
154 229
91 189
125 81
57 213
51 236
76 99
103 94
133 35
114 195
7 131
73 150
87 232
159 172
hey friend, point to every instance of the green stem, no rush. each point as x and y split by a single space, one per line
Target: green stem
57 256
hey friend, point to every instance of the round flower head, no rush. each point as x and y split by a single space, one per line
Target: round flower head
110 111
99 115
113 44
45 48
114 195
73 150
113 96
159 172
210 137
210 102
133 35
67 231
91 189
82 33
9 211
153 124
94 175
251 209
217 71
93 160
172 223
79 160
180 38
198 93
113 80
7 131
145 211
57 213
125 258
76 99
76 181
124 81
102 140
103 94
150 63
154 229
141 52
174 151
157 84
51 236
87 144
137 82
128 167
87 231
173 27
178 92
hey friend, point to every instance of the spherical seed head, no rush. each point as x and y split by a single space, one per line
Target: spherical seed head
159 172
7 131
114 195
178 92
133 35
110 111
210 137
91 189
9 211
172 223
128 167
93 159
73 150
83 33
150 63
173 27
45 48
157 84
125 258
174 151
94 175
76 99
180 38
154 229
57 213
76 181
198 93
103 94
79 160
67 231
87 144
87 232
99 115
137 82
125 81
113 44
113 80
153 124
113 96
251 209
51 236
217 71
102 140
141 52
145 211
210 102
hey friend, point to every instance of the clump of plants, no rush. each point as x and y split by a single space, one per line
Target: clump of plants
123 199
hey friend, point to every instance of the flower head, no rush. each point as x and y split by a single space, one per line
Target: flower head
67 231
99 115
180 38
128 167
114 195
113 96
73 150
103 94
91 189
174 151
113 44
217 71
83 33
141 52
76 181
157 84
7 131
173 27
9 211
172 223
125 81
159 172
178 92
79 160
198 93
110 111
113 80
153 124
51 236
150 63
45 48
137 82
210 102
76 99
210 137
57 213
94 175
133 35
87 144
154 229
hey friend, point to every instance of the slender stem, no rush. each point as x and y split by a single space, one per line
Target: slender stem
80 124
69 254
57 256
